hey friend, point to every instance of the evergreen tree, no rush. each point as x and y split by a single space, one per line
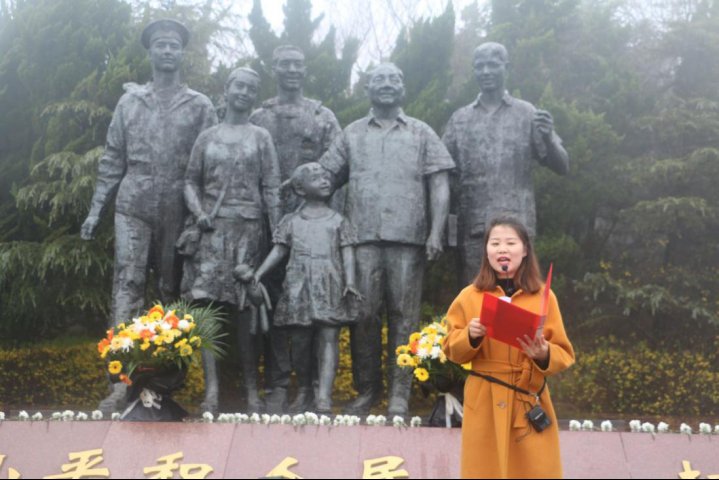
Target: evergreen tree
661 270
58 51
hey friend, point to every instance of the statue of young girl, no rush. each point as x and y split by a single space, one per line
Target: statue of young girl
319 293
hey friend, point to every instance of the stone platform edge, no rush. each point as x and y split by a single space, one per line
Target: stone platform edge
140 450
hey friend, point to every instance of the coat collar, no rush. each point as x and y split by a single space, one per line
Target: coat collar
401 118
147 95
308 103
507 100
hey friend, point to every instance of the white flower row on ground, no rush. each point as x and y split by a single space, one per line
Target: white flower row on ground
307 418
638 426
66 416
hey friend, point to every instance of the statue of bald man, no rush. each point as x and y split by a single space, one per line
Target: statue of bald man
396 169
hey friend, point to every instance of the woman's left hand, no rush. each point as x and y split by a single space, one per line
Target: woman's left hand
537 349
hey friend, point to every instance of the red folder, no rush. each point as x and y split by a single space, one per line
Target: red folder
505 322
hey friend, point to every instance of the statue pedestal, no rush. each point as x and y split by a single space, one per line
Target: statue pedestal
36 449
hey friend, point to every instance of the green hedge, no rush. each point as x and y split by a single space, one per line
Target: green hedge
632 378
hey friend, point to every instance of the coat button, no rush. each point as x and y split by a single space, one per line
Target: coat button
502 404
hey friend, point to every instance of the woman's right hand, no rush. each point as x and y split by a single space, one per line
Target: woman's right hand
476 329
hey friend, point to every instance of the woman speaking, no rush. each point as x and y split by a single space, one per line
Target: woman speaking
509 428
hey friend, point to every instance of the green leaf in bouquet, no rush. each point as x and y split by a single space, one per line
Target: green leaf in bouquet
210 321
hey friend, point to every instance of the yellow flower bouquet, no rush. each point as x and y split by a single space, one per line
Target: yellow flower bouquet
423 353
151 354
164 337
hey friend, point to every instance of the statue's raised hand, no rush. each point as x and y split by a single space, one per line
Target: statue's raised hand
543 123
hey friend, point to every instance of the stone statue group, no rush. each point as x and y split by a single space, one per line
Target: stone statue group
297 227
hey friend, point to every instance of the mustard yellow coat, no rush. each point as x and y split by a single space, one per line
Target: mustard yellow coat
497 440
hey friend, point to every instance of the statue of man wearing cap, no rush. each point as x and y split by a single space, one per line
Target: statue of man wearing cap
494 141
148 146
302 130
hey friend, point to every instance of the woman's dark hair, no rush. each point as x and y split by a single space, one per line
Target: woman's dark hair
527 277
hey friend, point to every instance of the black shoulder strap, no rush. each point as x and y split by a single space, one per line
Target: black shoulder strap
511 387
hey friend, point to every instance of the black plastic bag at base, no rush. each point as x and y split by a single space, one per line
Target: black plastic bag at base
442 384
163 382
438 416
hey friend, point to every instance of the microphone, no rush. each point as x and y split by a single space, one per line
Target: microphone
505 269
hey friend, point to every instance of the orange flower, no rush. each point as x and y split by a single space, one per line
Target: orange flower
172 320
110 334
125 379
146 334
414 346
104 343
156 313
